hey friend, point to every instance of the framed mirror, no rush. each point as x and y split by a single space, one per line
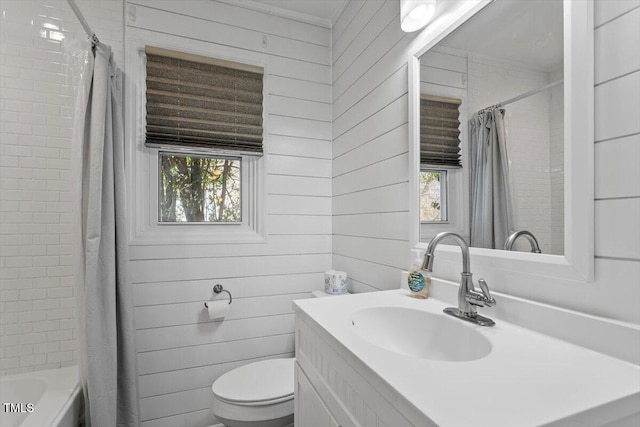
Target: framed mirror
501 134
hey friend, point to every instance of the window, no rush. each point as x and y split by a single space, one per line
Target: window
199 189
439 152
204 119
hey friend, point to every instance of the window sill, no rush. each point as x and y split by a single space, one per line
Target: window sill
195 234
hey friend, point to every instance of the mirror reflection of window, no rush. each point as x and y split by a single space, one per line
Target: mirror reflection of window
439 151
510 55
433 195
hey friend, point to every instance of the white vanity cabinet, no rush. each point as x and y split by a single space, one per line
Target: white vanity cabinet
526 379
310 410
330 392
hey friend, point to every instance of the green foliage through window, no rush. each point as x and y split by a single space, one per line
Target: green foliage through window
432 196
199 189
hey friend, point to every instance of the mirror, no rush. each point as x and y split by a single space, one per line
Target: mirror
492 129
523 268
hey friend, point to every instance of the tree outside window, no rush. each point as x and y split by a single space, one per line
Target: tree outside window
199 189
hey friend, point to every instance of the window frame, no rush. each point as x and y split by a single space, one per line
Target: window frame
142 167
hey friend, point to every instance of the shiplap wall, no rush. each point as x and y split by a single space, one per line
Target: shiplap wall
370 153
370 190
181 352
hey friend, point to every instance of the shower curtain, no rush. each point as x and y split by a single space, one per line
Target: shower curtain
492 215
105 313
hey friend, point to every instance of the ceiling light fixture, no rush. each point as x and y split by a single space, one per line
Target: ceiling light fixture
415 14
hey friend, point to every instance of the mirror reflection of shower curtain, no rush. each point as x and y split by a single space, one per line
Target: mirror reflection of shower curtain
492 215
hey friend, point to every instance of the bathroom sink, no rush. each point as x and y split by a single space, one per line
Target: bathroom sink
419 334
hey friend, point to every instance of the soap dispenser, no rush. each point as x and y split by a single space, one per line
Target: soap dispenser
418 284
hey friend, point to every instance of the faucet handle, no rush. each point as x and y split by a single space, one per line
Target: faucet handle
489 300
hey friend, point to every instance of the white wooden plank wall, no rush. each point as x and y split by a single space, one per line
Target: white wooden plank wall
180 351
370 151
617 131
617 151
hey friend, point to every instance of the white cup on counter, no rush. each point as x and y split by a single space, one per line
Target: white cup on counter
335 282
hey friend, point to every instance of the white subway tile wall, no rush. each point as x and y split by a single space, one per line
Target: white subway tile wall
37 305
528 122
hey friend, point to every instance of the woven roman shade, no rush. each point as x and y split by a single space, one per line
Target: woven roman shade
196 101
439 132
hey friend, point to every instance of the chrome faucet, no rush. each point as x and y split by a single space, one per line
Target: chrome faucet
535 248
468 297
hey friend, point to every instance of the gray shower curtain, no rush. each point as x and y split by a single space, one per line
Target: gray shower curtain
105 308
492 215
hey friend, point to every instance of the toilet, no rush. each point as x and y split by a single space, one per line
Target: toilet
259 394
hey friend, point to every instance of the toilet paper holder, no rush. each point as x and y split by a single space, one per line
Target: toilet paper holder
218 289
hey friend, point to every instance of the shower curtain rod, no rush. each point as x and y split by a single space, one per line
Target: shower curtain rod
87 29
524 95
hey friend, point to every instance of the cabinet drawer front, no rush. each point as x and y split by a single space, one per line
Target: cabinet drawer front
310 411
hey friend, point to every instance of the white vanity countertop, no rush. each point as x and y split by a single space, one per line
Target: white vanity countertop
527 379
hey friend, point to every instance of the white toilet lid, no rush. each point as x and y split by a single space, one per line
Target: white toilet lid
258 382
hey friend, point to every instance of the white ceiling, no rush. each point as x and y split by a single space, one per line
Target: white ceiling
528 32
321 12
